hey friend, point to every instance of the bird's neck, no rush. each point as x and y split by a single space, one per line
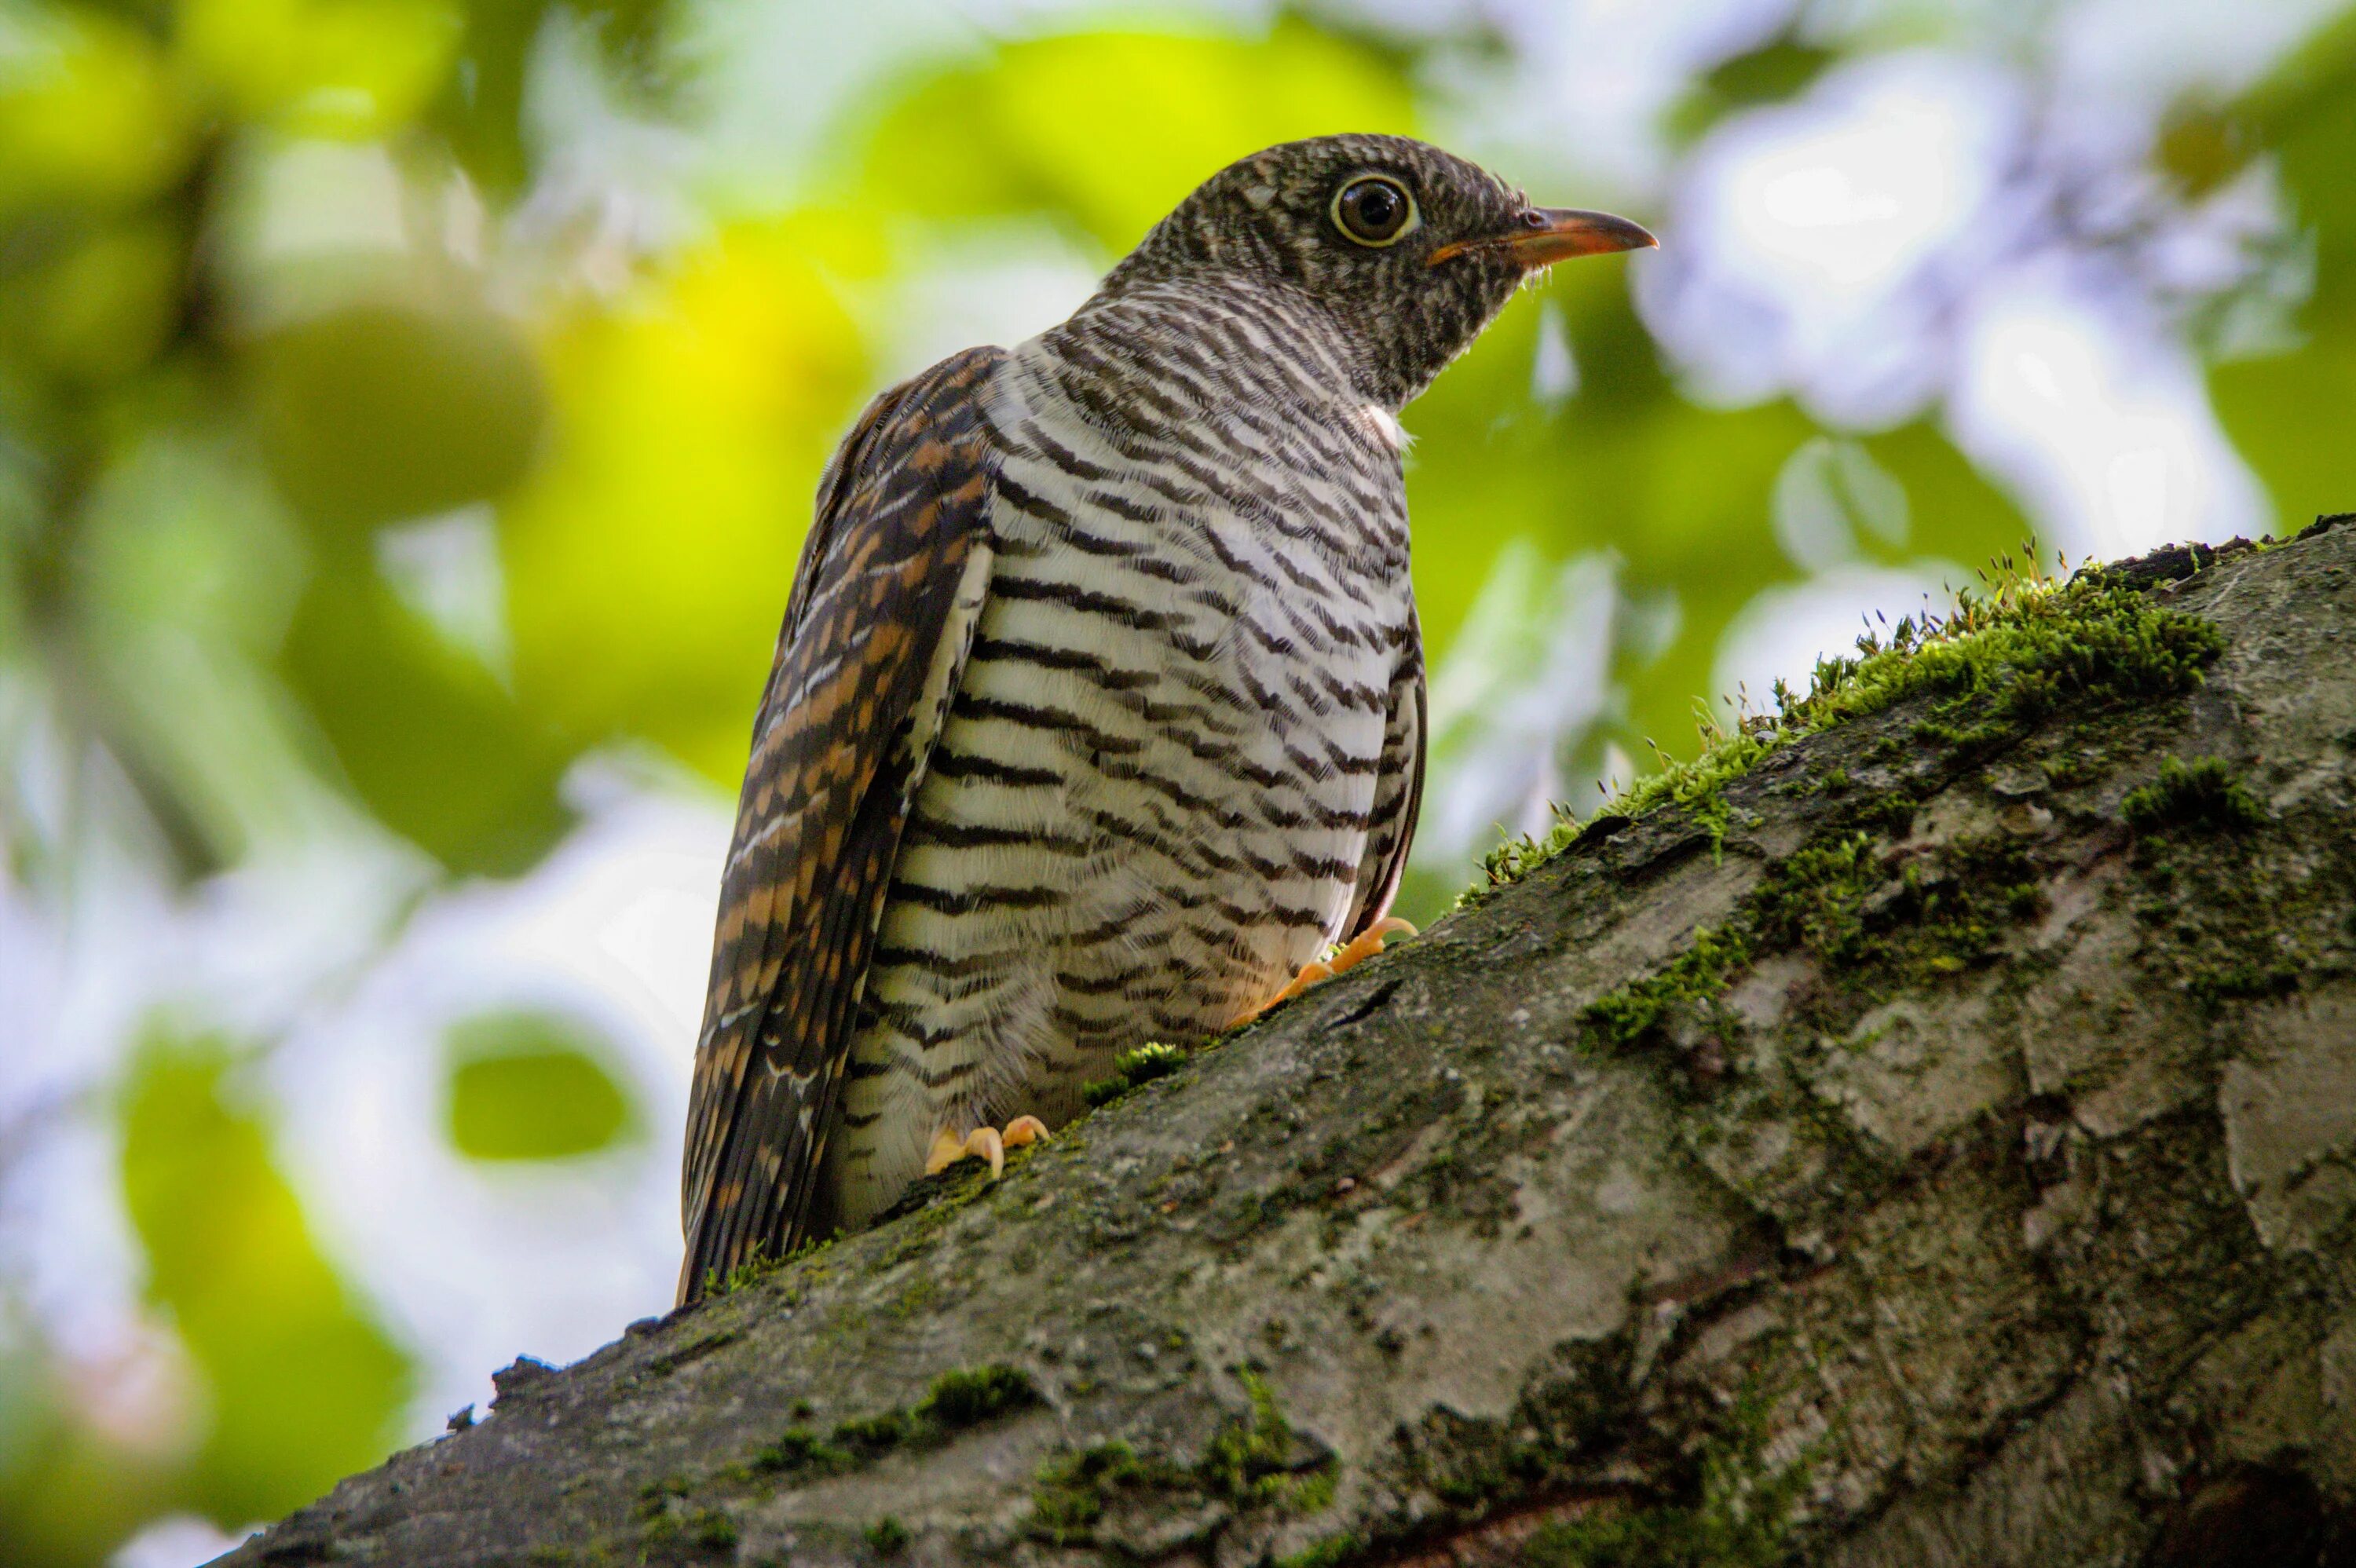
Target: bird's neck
1261 339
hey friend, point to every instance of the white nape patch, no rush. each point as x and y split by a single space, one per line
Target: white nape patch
1387 428
1260 196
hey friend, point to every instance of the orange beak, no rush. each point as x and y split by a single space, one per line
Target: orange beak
1550 234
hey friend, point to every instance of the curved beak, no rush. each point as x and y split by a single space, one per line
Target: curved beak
1543 235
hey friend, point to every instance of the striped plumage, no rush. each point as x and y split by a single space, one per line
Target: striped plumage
1098 707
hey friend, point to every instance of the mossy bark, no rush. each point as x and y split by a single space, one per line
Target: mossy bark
1984 1198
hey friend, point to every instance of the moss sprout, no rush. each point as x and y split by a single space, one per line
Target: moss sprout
2203 793
870 1435
1069 1495
1330 1553
887 1537
798 1450
962 1399
710 1529
757 1266
753 1267
653 1497
1248 1462
1698 975
1133 1068
955 1400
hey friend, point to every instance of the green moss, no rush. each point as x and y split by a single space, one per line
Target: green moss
962 1399
1653 1538
871 1435
1941 916
1247 1463
710 1529
2223 921
1330 1553
1815 897
1987 673
2203 793
1725 755
1133 1068
755 1266
1515 859
887 1536
2218 941
1698 975
798 1450
653 1497
955 1400
1741 1517
695 1349
1069 1495
2210 987
1877 929
914 1297
758 1266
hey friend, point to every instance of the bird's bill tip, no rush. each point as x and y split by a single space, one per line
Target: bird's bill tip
1545 235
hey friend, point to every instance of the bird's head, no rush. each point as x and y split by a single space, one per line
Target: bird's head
1411 251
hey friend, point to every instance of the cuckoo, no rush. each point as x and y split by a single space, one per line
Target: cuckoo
1097 714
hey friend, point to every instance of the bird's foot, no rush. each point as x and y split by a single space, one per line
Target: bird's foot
983 1143
1363 946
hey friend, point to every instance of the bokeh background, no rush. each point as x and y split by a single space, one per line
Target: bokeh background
408 415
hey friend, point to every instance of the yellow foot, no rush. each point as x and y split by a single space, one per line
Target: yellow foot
983 1143
1363 946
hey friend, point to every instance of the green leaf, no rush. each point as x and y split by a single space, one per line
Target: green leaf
530 1087
427 737
91 113
2286 413
348 67
304 1387
1776 72
376 411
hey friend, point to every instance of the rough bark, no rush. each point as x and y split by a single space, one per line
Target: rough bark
1993 1209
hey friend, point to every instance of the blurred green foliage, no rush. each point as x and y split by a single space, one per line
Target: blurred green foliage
298 1381
645 559
1161 111
301 345
2285 401
530 1086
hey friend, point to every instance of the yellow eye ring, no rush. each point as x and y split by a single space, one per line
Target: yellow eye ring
1375 210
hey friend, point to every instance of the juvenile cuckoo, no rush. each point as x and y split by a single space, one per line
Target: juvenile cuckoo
1097 715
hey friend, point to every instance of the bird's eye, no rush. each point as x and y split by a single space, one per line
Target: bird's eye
1374 209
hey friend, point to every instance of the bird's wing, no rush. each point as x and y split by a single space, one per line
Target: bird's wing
876 633
1398 792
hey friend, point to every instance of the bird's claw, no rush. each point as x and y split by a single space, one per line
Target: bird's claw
1357 951
983 1143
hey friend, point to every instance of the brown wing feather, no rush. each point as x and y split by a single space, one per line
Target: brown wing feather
1398 794
900 512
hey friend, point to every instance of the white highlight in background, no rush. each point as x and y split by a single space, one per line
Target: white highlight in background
2102 432
1810 236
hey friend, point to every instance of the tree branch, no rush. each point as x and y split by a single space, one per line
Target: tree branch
1889 1155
